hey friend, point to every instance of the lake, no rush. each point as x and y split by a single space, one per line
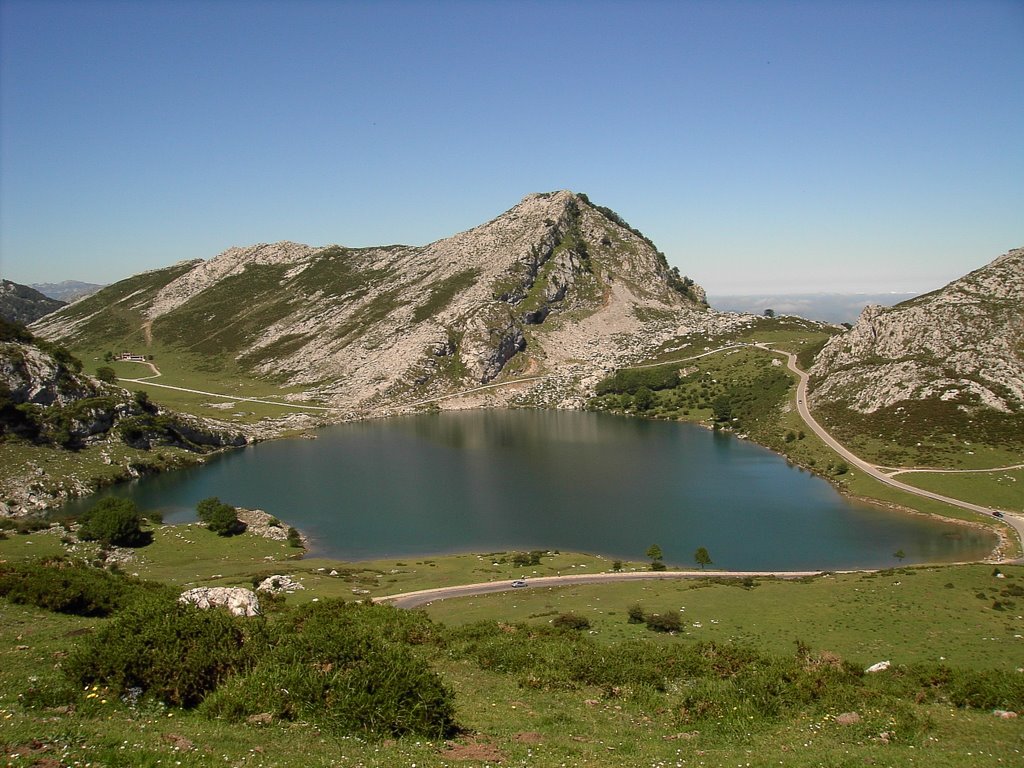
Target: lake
497 480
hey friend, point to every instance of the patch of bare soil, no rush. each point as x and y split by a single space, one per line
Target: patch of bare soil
475 748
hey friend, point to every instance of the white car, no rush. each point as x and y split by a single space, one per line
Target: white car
519 583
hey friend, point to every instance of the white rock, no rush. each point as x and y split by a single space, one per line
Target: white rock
238 600
879 667
277 584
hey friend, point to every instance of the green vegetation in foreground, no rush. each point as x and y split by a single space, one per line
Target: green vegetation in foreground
746 681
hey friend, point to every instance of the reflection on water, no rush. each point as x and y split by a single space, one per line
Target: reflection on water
497 480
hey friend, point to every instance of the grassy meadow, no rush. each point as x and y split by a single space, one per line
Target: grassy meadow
762 672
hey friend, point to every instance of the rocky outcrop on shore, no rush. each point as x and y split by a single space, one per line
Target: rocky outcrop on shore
47 402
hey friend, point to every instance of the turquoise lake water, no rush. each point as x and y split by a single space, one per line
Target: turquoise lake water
496 480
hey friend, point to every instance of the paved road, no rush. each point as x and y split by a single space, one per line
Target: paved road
425 596
1010 518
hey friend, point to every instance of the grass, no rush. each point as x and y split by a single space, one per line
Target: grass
1003 489
186 370
904 615
929 434
443 291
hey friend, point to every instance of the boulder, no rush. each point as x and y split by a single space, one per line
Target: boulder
879 667
238 600
277 584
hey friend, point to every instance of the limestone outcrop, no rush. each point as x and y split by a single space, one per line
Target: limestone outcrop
238 600
554 286
962 344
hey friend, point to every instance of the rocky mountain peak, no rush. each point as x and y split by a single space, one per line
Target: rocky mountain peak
554 284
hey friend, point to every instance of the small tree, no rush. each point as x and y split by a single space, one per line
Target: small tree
654 552
571 621
899 554
219 517
769 313
721 407
294 538
113 522
636 614
643 399
702 557
107 374
617 566
668 622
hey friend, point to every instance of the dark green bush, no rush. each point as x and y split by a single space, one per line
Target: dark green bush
219 517
64 588
636 614
663 622
174 652
347 666
113 521
570 621
630 380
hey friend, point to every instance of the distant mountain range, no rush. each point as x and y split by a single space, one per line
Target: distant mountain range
66 291
825 307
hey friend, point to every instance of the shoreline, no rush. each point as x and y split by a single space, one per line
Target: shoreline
998 554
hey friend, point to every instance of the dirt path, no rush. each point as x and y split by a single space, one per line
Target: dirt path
223 396
892 471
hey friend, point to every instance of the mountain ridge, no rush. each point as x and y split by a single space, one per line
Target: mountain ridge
962 343
24 304
554 284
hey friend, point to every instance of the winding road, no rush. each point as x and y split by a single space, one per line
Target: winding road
874 471
425 596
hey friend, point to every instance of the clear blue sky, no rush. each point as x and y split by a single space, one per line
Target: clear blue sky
764 146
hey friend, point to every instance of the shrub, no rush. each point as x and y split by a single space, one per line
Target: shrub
527 558
174 652
294 537
155 516
219 517
630 380
668 622
571 621
347 666
636 614
107 374
113 521
63 588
